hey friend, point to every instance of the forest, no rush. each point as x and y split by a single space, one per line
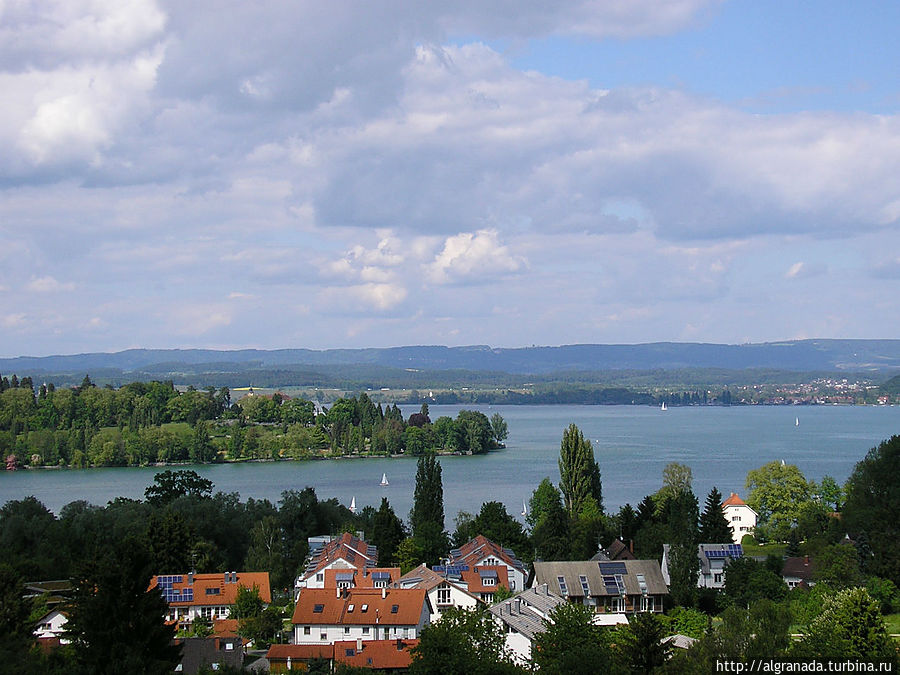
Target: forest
145 423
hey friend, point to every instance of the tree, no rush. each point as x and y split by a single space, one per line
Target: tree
387 533
872 504
714 528
499 429
116 624
677 478
850 626
579 473
747 581
641 643
170 539
462 642
777 492
170 485
550 532
427 516
495 523
266 552
571 643
760 632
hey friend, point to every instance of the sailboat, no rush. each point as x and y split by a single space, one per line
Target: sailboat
524 509
384 480
353 505
663 406
796 421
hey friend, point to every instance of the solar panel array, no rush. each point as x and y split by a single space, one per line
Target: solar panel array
164 583
381 576
729 551
488 574
614 584
612 568
450 569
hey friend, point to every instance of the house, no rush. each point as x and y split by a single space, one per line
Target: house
482 552
523 616
799 571
617 550
368 577
207 596
740 517
52 625
392 656
344 553
482 581
327 615
211 653
443 591
712 561
620 587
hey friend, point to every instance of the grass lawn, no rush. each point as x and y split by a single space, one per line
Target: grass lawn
765 549
892 623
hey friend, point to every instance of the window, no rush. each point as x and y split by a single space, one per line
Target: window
365 630
206 612
229 646
318 609
306 630
490 561
647 603
380 584
443 594
617 604
343 584
320 577
213 591
350 608
735 519
717 578
585 588
346 630
489 581
642 583
512 585
395 609
350 652
562 585
323 636
364 609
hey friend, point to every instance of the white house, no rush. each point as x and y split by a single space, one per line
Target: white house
712 562
523 616
52 625
328 615
344 553
740 517
442 591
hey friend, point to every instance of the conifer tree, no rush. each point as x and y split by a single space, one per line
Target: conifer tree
387 533
427 515
714 527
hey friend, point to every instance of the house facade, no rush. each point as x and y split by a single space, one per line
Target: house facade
343 553
326 616
207 596
741 518
620 587
522 617
482 552
442 591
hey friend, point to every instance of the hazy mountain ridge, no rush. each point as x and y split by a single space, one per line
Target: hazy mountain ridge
796 355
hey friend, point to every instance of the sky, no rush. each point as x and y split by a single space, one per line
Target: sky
318 175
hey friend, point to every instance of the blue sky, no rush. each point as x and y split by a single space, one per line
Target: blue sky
353 174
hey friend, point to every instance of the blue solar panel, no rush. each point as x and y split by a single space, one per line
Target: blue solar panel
380 576
344 576
612 568
488 574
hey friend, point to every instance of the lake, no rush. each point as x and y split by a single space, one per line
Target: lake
631 443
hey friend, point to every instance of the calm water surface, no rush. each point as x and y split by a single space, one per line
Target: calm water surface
631 443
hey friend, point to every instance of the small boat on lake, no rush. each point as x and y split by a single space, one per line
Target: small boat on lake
353 505
384 480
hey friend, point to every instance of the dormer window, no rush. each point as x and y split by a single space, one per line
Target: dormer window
364 609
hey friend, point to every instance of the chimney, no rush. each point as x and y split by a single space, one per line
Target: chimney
359 644
508 608
631 545
338 592
383 592
227 577
518 606
190 577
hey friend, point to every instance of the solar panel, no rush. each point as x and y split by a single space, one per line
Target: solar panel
488 574
344 576
612 568
380 576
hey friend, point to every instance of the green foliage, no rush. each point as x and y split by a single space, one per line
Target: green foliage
387 533
462 642
714 528
427 516
571 643
760 632
499 429
409 555
837 566
850 626
579 473
641 643
495 523
685 621
116 624
169 485
872 504
777 492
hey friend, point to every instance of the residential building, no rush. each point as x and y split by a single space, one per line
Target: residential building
368 577
799 571
210 653
712 561
523 616
207 596
482 581
343 553
52 625
740 517
326 615
443 591
620 587
482 552
392 656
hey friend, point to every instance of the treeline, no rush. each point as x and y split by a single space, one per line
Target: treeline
152 422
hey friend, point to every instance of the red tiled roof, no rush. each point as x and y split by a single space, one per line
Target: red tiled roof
474 551
347 547
336 610
280 653
225 628
361 578
473 578
212 589
733 500
382 654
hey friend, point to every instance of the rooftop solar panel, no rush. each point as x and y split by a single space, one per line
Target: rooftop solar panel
612 568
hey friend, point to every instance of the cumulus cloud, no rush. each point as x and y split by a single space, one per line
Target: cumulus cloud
473 257
48 285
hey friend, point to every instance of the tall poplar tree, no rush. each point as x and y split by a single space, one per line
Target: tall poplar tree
427 515
714 528
579 473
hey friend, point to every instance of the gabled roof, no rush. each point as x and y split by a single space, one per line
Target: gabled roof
357 553
597 574
364 578
799 567
475 578
733 500
420 577
360 606
300 652
380 654
473 552
619 551
527 611
187 590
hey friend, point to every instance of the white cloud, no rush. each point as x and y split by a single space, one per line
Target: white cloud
473 257
48 285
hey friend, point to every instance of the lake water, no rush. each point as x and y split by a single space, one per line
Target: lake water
631 443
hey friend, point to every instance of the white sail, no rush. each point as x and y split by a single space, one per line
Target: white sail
796 421
524 509
353 505
384 480
663 406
